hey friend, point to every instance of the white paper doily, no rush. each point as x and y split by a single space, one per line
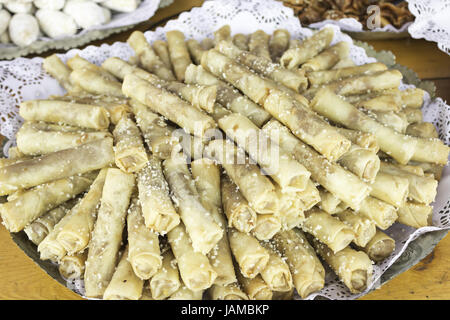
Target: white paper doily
24 79
432 21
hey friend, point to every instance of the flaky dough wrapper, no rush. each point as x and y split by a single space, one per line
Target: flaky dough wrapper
129 150
76 233
203 230
354 268
143 244
307 271
58 165
256 188
30 204
195 269
328 229
107 234
74 114
157 208
250 255
308 49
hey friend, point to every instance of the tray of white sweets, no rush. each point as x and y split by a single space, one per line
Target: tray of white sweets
35 26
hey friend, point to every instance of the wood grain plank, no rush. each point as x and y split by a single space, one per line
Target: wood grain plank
442 88
21 278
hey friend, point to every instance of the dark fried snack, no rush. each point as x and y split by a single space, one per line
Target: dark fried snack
310 11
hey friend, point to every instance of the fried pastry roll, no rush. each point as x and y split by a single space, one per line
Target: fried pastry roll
162 50
227 292
383 214
307 49
390 188
240 40
328 58
267 225
166 280
144 254
379 247
362 162
58 165
124 284
107 234
72 267
27 206
255 288
37 138
341 183
50 248
157 207
363 227
326 76
276 273
74 114
354 268
286 77
422 189
227 96
305 124
416 215
76 233
258 44
208 183
284 169
95 83
147 57
250 255
308 274
179 54
184 293
203 230
397 145
278 44
42 226
130 153
195 50
254 186
58 70
222 34
328 229
169 105
195 269
239 213
158 135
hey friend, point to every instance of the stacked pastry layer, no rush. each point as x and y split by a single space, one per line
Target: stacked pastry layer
231 168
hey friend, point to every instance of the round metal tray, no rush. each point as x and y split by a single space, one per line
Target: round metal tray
416 251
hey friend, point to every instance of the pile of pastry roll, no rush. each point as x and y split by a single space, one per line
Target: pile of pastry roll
129 182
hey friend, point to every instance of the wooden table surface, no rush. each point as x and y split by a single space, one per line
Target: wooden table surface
21 278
